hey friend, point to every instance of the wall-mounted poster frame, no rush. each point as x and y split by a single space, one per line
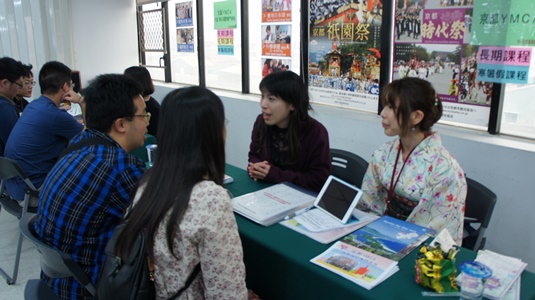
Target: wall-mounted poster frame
431 40
344 52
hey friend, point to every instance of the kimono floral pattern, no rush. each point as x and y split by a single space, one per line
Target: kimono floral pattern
207 234
431 177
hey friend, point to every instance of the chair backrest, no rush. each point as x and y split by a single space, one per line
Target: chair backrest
54 263
10 168
348 166
480 202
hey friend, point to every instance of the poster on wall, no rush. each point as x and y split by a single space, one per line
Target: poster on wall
225 41
225 15
432 42
505 64
504 23
276 36
344 53
184 26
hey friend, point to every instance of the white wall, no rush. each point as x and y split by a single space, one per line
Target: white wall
105 41
104 37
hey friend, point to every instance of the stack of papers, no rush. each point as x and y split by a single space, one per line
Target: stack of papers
271 205
506 272
361 267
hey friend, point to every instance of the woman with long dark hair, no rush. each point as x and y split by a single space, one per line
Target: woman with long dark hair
183 206
286 143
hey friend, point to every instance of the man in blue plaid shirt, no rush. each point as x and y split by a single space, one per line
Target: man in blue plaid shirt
88 190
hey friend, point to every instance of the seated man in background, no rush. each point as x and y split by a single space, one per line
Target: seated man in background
87 192
44 130
26 89
11 72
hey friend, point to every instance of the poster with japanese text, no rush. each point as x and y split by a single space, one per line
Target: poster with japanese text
344 53
225 41
504 23
184 26
432 42
225 15
505 64
276 33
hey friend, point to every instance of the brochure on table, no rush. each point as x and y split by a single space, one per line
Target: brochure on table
330 234
361 267
271 205
506 272
389 237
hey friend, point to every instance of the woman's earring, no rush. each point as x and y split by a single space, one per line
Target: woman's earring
412 129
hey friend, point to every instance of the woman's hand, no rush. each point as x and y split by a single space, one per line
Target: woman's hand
258 170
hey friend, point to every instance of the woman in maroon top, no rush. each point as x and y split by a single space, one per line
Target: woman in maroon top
286 143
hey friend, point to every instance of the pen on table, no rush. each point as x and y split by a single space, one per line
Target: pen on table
297 213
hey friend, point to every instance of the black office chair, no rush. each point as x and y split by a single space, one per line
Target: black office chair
54 263
348 166
480 202
11 169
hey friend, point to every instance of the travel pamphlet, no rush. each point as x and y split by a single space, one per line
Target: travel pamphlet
389 237
272 204
302 224
361 267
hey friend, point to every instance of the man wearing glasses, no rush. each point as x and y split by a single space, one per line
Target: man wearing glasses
88 191
25 91
43 130
11 72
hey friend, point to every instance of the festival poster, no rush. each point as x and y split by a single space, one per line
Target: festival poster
184 14
432 42
276 11
276 40
225 41
504 23
344 53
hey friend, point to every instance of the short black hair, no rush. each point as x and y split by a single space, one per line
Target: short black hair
142 76
11 69
28 69
52 76
108 98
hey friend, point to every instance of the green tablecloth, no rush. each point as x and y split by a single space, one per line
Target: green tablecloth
278 267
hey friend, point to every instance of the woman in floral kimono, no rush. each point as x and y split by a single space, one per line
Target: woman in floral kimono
413 177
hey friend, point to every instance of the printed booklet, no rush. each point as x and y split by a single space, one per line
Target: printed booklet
389 237
361 267
272 204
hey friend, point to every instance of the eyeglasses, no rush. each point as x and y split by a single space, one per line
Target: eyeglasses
146 116
28 82
19 84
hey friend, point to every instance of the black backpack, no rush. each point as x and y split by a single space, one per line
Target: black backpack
130 279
